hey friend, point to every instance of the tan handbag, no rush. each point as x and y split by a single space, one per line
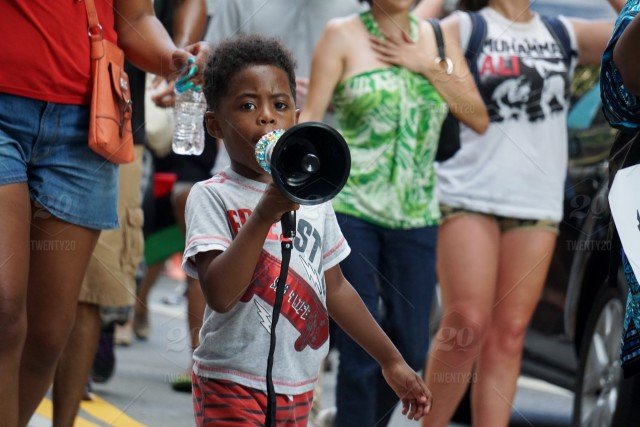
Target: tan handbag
110 132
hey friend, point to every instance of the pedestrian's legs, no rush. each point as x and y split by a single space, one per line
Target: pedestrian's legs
467 267
74 366
525 256
357 371
55 274
15 211
141 307
407 282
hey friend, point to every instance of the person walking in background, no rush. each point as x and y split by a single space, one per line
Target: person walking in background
56 194
185 21
250 91
501 196
620 90
109 282
389 95
110 277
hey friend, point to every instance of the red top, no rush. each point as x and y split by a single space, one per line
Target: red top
44 48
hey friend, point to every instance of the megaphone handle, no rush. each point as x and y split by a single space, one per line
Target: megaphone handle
288 222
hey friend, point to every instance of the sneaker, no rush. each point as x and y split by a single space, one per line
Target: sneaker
123 335
326 417
105 360
182 383
88 394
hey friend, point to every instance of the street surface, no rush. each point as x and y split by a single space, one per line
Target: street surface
139 394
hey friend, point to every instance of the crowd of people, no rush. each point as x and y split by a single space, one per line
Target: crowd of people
392 80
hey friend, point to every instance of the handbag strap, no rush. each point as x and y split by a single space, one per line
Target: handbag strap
92 17
442 56
435 24
94 30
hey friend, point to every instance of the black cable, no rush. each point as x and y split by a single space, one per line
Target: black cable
288 232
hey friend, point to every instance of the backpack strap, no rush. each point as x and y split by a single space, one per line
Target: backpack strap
559 32
476 41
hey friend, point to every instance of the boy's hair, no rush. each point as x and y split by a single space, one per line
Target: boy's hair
235 54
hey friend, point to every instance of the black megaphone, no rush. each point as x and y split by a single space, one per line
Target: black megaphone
309 163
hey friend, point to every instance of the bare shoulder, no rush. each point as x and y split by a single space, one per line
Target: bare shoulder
427 34
339 32
341 27
451 26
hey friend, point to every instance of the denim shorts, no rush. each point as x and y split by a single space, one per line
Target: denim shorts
45 145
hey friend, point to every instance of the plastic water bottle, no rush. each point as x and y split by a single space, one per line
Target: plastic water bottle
188 132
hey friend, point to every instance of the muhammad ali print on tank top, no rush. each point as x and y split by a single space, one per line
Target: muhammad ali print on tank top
525 77
523 70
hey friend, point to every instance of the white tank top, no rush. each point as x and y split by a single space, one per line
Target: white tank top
518 167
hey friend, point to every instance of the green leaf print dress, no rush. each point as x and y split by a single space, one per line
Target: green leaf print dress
391 119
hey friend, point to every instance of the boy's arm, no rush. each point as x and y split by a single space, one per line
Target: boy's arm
225 276
348 310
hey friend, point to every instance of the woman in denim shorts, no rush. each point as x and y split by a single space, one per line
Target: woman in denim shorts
55 193
503 197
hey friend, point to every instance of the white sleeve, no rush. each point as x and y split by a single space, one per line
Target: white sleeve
334 246
225 21
207 226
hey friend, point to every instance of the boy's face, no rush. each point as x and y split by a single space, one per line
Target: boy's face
258 101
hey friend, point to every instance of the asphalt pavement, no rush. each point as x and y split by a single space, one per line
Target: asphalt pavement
139 394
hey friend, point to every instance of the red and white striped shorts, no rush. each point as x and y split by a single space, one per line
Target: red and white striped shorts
223 403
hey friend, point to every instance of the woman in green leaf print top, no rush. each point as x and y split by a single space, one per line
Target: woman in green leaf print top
390 109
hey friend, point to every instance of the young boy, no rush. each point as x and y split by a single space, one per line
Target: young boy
233 246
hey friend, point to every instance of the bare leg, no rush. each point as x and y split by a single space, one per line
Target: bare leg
153 271
524 261
75 364
15 211
60 254
467 259
140 323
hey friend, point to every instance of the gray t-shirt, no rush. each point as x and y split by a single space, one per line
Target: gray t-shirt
234 345
297 23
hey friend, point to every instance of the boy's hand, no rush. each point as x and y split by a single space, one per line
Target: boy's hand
273 205
412 391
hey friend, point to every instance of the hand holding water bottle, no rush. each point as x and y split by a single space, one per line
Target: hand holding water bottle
189 109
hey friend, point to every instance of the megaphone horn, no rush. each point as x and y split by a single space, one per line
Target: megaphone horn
309 163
